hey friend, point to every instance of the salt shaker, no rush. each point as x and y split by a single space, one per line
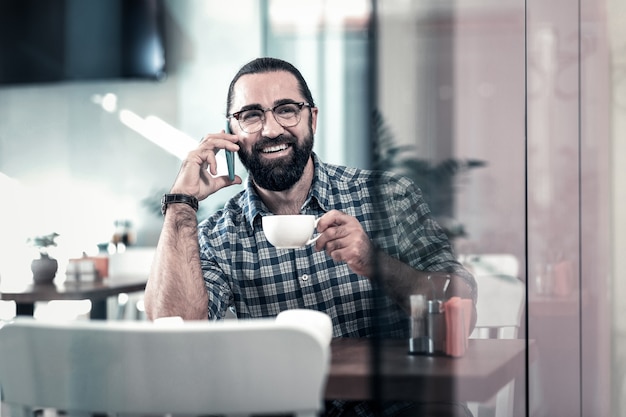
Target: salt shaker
436 327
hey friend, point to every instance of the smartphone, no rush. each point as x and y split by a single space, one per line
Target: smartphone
230 156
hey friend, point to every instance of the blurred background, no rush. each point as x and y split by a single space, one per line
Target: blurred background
509 114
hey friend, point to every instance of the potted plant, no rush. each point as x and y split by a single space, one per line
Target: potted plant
45 268
438 182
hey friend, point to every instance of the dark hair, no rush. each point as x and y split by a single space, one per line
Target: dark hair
263 65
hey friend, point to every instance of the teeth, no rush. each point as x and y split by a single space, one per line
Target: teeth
276 148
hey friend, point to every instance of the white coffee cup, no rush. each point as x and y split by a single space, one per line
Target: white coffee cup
290 231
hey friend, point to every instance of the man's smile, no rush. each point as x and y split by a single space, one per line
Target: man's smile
275 151
275 148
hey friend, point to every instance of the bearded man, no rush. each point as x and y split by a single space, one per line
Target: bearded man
376 230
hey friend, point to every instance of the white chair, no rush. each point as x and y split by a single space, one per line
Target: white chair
192 368
501 297
133 261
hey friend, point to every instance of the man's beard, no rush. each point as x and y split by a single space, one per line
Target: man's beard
283 173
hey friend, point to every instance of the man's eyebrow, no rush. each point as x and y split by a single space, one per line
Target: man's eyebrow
286 101
257 106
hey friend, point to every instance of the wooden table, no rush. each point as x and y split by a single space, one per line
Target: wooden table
27 295
487 366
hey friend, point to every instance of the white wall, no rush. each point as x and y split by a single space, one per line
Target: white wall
69 166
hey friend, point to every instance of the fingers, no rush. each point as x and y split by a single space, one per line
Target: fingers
210 145
223 181
193 177
332 219
217 141
344 240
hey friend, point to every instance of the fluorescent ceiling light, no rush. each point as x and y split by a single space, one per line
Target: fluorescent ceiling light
166 136
160 133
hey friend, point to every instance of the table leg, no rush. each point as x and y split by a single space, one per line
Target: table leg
98 309
24 309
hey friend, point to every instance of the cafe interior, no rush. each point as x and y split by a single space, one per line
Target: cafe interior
510 115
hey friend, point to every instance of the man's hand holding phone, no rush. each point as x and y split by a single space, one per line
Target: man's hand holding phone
198 173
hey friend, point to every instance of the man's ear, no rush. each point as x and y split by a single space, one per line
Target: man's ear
314 119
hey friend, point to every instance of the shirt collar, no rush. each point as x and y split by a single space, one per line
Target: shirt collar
253 206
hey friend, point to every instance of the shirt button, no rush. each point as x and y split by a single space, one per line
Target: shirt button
304 277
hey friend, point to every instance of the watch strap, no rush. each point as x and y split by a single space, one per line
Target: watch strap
168 199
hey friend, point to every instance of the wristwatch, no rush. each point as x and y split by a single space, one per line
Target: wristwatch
168 199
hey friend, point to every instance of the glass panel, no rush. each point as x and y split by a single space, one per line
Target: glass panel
616 16
568 211
452 91
554 205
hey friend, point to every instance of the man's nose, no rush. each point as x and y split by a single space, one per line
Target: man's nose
271 127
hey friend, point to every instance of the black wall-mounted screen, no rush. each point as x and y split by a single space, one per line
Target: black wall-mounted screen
45 41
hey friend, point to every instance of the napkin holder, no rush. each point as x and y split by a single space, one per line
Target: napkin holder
87 268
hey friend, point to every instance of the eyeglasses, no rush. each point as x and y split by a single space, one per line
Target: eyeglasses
252 121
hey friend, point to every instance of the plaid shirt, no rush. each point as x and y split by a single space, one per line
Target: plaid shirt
244 272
